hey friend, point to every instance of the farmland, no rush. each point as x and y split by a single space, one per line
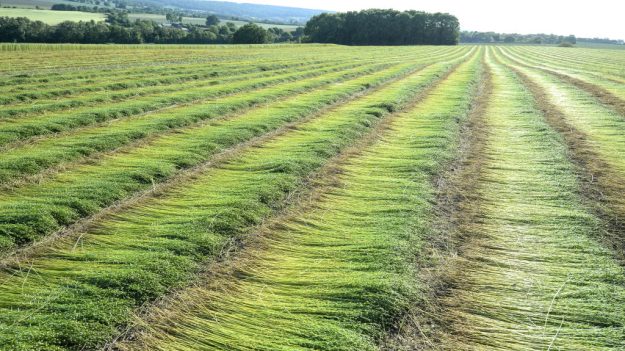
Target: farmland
313 197
51 17
55 17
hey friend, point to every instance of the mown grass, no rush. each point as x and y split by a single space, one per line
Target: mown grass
79 289
94 88
532 277
44 153
61 83
84 190
601 74
32 211
24 127
338 273
590 129
41 154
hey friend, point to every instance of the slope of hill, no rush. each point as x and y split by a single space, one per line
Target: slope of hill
242 10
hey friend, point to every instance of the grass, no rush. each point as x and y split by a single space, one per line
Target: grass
83 191
85 285
23 127
190 197
18 128
40 154
21 93
532 277
43 4
46 152
337 274
50 16
44 14
588 126
148 163
202 21
590 67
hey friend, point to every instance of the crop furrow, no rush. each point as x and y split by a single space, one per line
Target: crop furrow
83 191
82 93
81 287
38 155
610 93
20 129
531 275
337 271
588 128
52 154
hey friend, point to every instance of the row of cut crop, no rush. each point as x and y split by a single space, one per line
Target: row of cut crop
338 273
80 288
527 278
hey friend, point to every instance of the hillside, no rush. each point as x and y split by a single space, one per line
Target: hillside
241 10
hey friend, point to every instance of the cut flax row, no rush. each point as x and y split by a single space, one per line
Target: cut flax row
78 290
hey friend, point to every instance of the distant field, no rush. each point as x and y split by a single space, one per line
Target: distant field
195 20
580 44
161 18
55 17
51 17
31 4
285 27
583 44
311 197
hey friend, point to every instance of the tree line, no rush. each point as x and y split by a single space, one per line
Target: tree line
383 27
82 8
492 37
119 29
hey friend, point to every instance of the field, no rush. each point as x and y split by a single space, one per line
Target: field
311 197
32 4
202 21
26 9
50 16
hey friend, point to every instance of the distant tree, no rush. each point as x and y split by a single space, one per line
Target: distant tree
383 27
212 20
172 17
490 37
251 34
298 34
571 39
118 18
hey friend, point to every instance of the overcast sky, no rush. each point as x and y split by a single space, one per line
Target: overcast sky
596 18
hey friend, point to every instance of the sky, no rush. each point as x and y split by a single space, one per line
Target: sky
596 18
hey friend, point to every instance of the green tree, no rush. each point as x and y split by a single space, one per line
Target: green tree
571 39
383 27
118 17
251 34
212 20
509 39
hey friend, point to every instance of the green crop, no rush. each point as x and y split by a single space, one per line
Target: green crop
311 197
136 255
